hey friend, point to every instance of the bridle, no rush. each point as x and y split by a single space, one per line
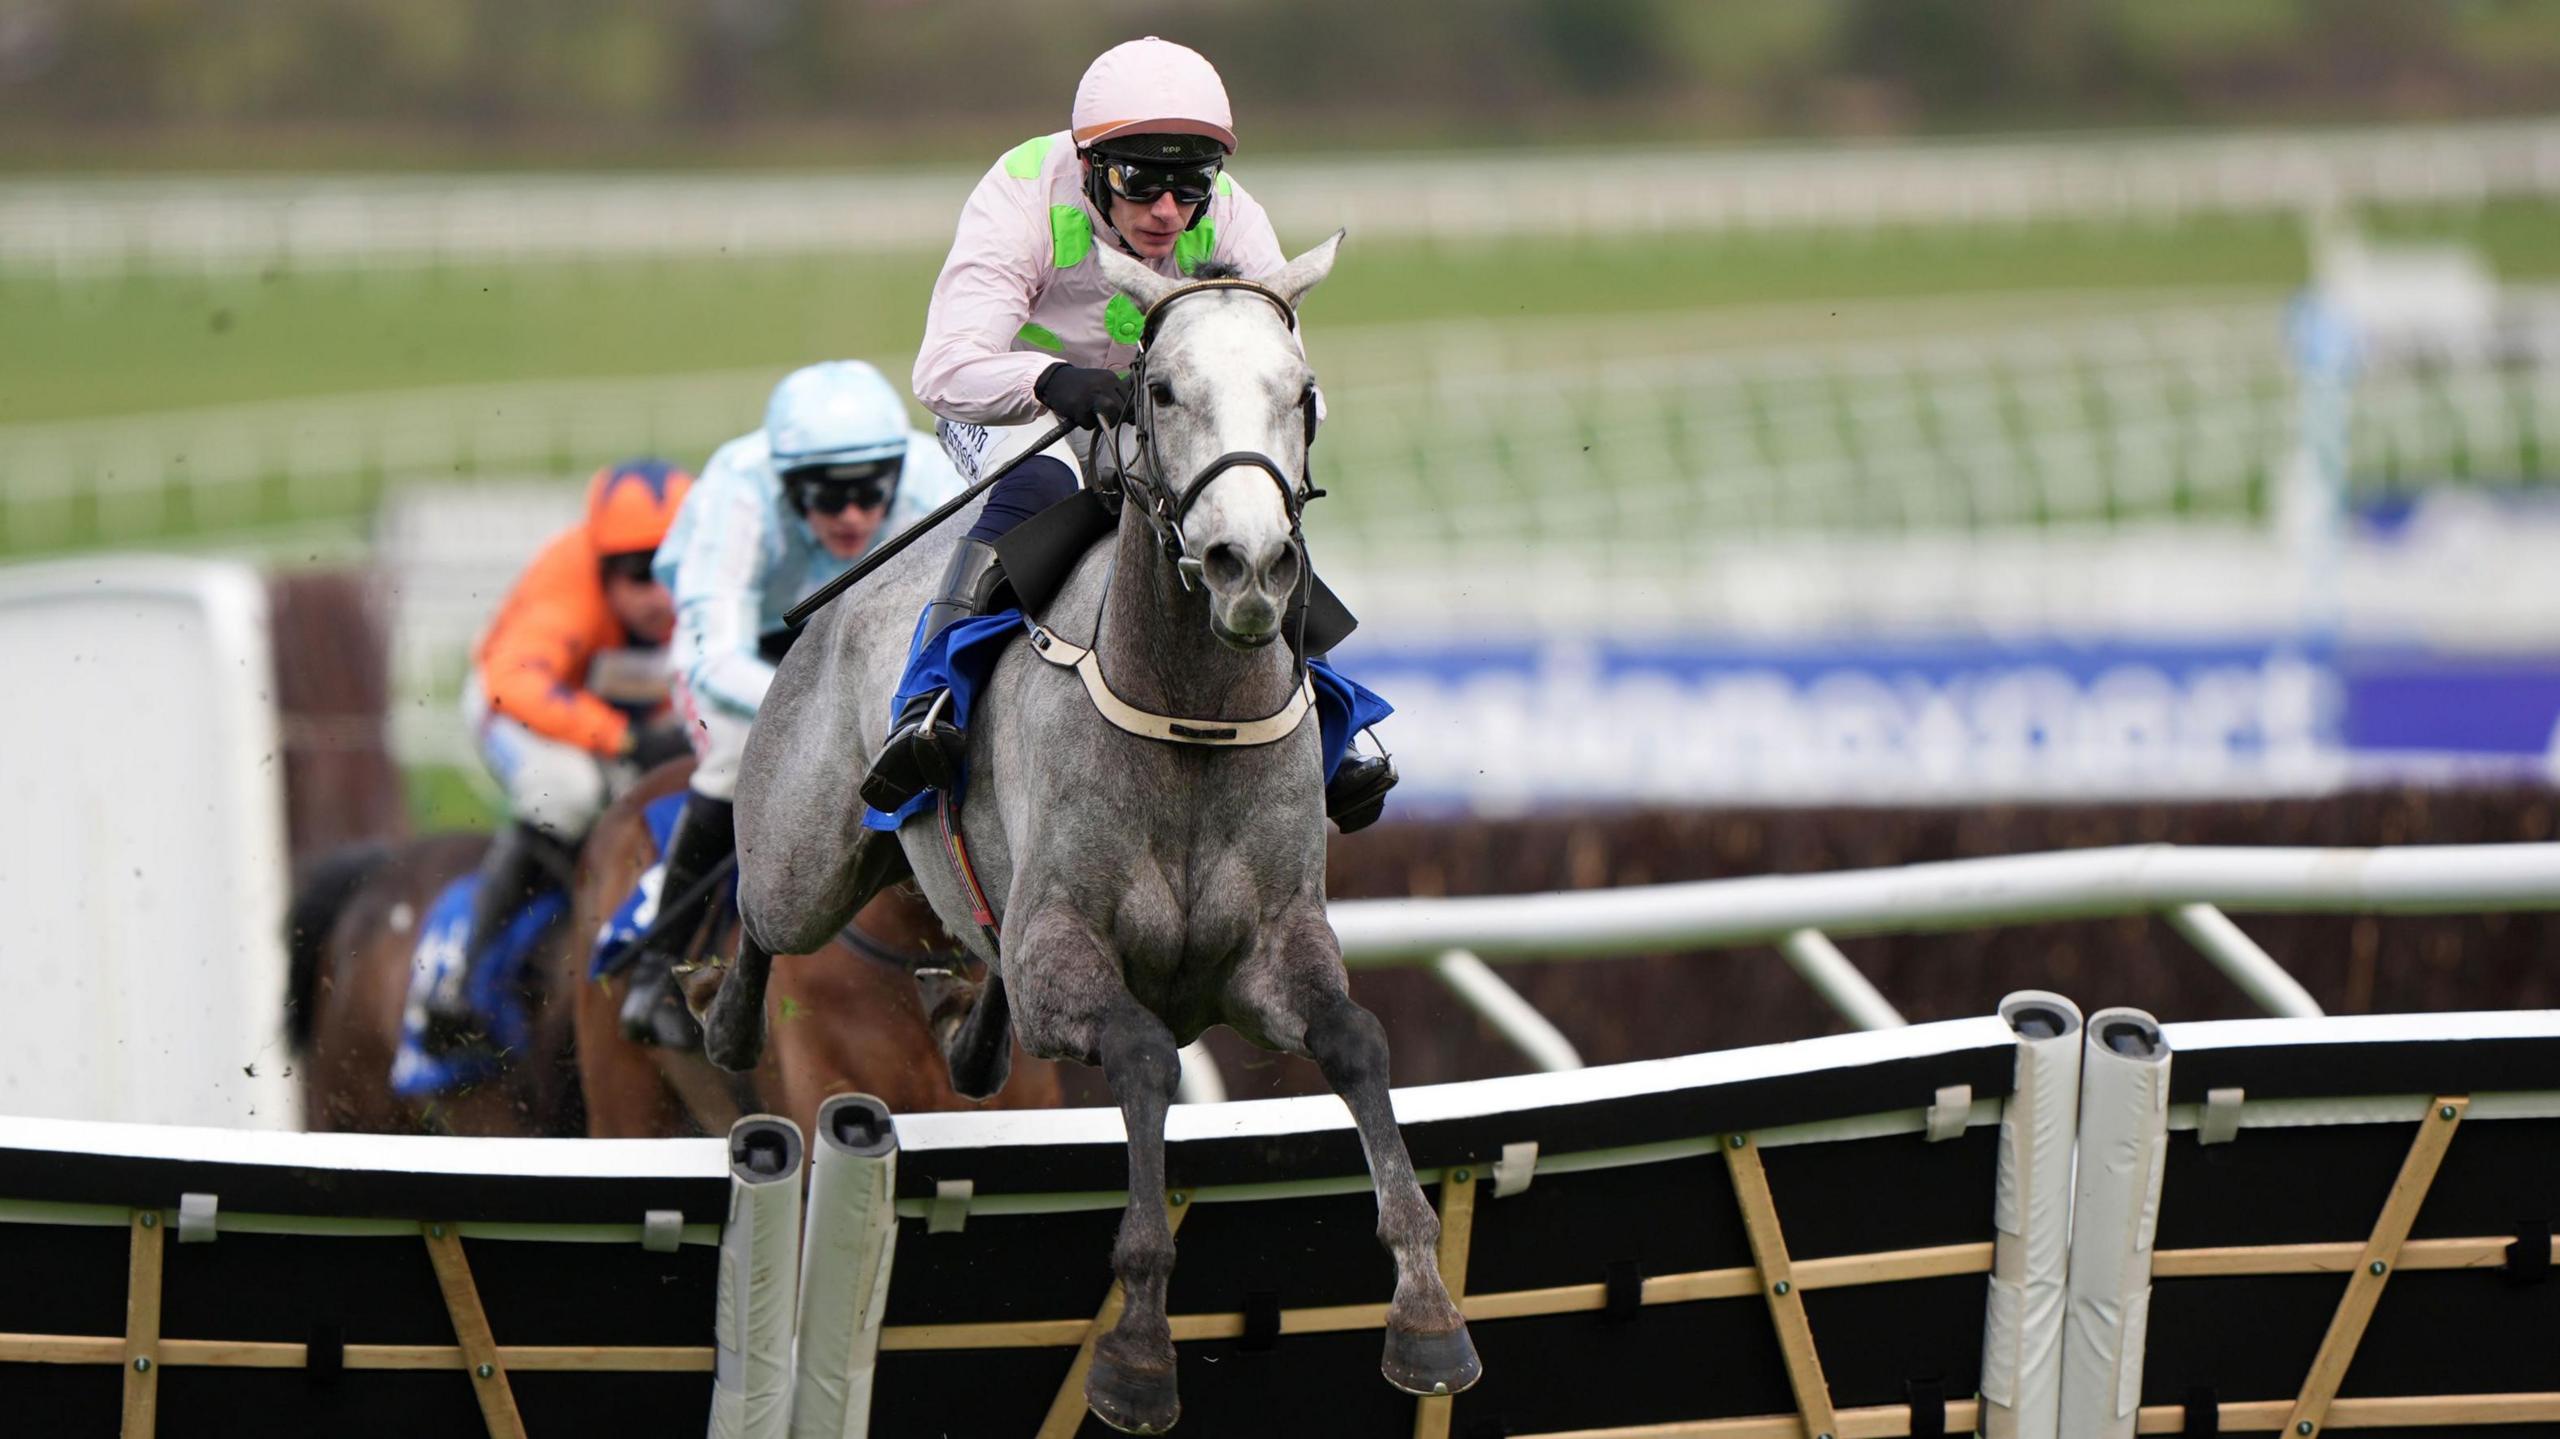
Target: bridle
1164 508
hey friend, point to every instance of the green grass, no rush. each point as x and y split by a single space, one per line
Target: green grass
153 342
150 342
442 797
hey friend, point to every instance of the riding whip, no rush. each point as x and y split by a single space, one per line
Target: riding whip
798 614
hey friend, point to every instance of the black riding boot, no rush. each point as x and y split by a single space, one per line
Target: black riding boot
521 862
1357 794
653 1009
925 749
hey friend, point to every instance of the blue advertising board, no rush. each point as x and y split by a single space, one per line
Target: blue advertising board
1504 726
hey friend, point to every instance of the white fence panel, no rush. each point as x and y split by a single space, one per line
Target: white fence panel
142 847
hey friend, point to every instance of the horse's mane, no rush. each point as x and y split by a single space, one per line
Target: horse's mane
1217 270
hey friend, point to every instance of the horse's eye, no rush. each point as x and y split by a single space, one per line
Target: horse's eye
1160 392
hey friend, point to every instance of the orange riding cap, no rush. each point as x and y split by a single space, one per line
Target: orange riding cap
631 505
534 659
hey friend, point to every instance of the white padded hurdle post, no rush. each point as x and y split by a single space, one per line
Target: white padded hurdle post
844 1267
759 1281
2022 1330
2115 1203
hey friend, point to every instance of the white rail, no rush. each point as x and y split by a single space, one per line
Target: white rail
2190 887
232 224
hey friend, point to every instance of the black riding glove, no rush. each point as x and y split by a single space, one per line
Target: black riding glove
652 745
1086 399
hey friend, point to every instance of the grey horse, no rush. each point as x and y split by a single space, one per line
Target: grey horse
1146 890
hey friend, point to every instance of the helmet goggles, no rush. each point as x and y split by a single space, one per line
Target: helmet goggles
831 489
1141 181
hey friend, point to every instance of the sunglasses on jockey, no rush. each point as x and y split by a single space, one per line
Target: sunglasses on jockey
833 489
1140 182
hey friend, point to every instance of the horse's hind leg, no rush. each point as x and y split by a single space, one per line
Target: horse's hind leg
980 1054
733 1028
1428 1351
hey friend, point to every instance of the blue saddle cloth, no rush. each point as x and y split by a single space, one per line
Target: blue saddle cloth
639 908
492 985
963 657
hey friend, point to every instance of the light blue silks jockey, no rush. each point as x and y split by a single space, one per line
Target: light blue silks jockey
835 469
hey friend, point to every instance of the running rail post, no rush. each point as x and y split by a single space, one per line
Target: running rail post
2115 1202
1511 1015
2031 1212
759 1281
1202 1082
2237 955
1812 954
844 1268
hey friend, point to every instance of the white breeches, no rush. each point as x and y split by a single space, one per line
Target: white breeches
556 787
719 737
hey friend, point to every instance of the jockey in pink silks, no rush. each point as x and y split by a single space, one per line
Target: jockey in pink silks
1023 322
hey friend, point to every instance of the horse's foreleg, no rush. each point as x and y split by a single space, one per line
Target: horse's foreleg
1069 1003
1131 1384
1428 1351
774 917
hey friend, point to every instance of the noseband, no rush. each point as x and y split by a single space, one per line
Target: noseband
1164 508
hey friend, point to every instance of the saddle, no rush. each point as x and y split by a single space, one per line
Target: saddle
495 988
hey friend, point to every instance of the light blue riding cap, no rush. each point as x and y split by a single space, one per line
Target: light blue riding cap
835 413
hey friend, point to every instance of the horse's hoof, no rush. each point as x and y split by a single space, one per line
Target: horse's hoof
1130 1400
1419 1363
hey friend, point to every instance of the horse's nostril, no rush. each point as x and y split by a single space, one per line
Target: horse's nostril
1283 576
1225 565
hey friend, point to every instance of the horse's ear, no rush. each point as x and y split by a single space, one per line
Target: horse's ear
1133 279
1293 280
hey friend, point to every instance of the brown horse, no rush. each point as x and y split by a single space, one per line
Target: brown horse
351 930
850 1017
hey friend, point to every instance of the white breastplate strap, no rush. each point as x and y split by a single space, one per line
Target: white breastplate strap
1237 734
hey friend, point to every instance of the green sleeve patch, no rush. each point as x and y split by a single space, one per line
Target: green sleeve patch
1023 161
1070 236
1041 337
1226 183
1124 320
1197 244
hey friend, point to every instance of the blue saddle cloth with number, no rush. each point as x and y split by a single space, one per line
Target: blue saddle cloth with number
639 909
494 986
963 657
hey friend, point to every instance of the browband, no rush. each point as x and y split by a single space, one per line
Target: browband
1155 312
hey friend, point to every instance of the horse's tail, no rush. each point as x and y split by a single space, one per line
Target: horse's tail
320 894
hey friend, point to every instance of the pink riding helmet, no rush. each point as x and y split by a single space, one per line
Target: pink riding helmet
1152 87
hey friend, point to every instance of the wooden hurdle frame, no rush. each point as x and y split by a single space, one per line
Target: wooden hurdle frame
143 1351
1783 1282
1780 1281
1775 1276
